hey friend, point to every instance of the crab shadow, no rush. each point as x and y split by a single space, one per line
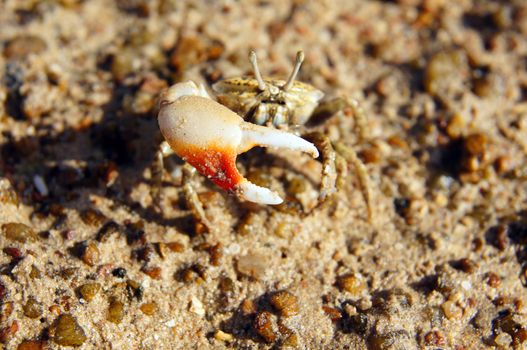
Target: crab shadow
107 158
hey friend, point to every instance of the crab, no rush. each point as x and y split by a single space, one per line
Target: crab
208 134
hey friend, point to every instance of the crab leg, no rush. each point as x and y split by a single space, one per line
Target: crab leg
209 136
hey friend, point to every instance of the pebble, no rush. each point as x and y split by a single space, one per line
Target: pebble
91 255
197 307
88 291
119 272
40 185
33 345
23 45
115 311
254 265
263 326
445 71
286 303
451 310
221 335
176 247
149 309
153 272
503 340
93 217
19 232
66 331
353 283
8 332
32 308
7 193
333 313
435 338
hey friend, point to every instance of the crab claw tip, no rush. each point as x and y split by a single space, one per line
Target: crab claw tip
253 193
269 137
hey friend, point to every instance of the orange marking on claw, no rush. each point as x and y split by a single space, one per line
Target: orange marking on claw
217 164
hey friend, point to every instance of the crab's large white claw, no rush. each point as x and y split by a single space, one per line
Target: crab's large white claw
209 136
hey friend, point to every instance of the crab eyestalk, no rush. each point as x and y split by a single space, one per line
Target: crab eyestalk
254 62
296 69
209 136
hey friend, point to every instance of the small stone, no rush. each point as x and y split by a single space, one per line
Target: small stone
397 142
8 332
149 309
19 232
215 254
435 338
249 223
227 286
286 303
291 341
520 336
115 311
333 313
93 217
54 309
13 252
371 155
503 164
455 127
88 291
32 308
254 265
196 306
263 326
3 292
7 194
248 307
90 255
493 280
397 339
502 238
24 45
68 272
107 230
66 331
119 272
176 247
503 340
476 144
134 289
34 273
190 51
153 272
162 250
124 63
451 310
6 311
145 253
467 265
221 335
296 186
33 345
445 72
353 283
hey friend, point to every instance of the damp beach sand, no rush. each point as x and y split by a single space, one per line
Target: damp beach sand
89 260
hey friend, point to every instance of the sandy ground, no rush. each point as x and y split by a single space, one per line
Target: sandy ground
89 260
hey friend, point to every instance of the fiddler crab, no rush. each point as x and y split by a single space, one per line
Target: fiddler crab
208 134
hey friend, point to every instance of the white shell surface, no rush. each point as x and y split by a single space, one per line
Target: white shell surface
199 121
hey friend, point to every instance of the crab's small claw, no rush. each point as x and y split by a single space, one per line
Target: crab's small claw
209 136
